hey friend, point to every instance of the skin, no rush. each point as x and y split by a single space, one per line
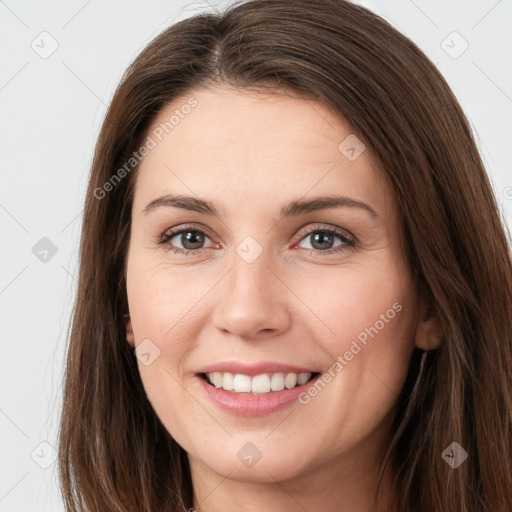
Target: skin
250 154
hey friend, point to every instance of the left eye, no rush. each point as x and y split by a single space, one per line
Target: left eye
321 239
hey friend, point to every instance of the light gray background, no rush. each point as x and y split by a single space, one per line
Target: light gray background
51 109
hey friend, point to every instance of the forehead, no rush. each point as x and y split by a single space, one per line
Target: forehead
252 144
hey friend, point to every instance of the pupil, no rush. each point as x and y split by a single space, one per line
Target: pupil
189 238
322 237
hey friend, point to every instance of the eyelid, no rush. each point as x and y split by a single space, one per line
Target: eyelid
184 227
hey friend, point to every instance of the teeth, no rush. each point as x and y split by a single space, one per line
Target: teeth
259 384
277 382
290 381
242 383
302 378
217 379
228 381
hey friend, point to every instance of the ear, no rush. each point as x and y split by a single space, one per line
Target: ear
428 328
129 332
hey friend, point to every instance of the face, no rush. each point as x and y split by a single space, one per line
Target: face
258 282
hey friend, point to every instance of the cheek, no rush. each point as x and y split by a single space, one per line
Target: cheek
352 302
367 331
162 310
163 302
367 326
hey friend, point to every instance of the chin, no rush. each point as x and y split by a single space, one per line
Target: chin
258 461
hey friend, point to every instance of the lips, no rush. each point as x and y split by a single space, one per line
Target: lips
254 389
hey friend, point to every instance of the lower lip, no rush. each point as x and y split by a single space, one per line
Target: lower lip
246 404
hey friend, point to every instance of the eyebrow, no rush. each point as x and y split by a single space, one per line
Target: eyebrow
292 209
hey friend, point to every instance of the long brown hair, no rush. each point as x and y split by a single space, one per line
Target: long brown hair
114 454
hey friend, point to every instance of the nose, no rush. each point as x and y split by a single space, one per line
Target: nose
251 301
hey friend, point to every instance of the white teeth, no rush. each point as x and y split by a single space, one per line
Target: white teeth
217 379
277 382
227 382
290 381
303 378
242 383
260 384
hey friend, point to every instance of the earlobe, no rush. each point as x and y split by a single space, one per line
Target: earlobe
428 330
129 332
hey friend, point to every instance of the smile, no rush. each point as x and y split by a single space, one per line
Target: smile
254 389
257 384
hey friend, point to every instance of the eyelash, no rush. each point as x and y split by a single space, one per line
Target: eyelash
348 240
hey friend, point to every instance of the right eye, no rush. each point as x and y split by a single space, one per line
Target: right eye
190 237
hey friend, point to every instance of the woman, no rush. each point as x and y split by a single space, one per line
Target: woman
295 288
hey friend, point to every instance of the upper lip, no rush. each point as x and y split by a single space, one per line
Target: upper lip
253 369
